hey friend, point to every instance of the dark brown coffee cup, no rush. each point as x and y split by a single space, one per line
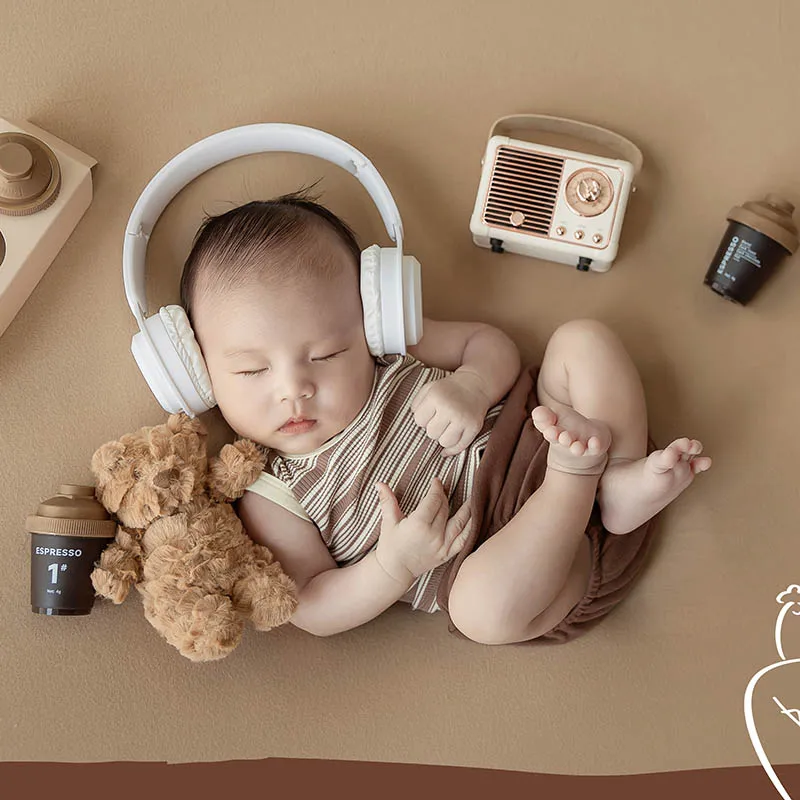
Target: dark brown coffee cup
68 533
759 235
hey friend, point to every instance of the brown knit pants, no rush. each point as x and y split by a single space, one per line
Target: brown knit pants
512 468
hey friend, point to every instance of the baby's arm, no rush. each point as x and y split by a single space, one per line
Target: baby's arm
478 352
330 599
483 364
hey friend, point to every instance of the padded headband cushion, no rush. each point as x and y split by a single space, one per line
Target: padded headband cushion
371 299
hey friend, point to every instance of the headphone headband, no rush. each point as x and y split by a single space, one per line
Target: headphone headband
225 146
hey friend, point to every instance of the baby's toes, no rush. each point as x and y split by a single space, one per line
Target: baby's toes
544 420
695 448
687 448
552 433
700 464
684 446
565 438
543 417
666 459
595 446
577 448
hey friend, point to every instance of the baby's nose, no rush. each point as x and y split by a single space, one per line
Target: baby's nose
297 387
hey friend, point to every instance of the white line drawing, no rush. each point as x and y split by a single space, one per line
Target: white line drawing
787 599
792 713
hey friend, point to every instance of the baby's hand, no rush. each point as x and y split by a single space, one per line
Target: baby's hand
411 546
452 410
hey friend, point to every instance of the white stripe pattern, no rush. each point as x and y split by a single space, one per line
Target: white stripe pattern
334 484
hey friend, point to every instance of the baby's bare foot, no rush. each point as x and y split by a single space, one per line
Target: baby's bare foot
631 492
578 445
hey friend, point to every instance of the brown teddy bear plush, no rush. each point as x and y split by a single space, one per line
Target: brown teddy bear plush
180 542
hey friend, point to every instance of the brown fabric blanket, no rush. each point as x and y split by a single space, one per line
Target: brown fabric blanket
512 468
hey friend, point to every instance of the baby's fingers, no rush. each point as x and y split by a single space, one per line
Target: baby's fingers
458 529
466 438
390 510
420 396
430 507
460 445
452 437
460 541
461 516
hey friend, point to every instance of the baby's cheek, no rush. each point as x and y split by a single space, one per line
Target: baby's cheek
241 409
342 405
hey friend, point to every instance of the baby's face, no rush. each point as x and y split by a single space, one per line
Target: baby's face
290 367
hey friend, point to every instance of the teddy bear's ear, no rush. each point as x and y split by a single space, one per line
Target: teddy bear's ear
182 423
105 459
113 473
179 435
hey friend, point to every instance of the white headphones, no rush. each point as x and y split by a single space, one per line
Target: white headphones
165 347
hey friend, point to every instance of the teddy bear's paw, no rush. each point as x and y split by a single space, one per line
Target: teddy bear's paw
235 468
214 629
269 598
113 586
119 568
267 615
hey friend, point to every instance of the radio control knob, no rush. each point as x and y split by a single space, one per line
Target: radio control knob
560 230
579 234
597 238
588 190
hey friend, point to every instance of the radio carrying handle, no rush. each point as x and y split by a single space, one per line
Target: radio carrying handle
508 126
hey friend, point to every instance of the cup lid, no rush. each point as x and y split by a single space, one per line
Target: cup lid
771 216
74 511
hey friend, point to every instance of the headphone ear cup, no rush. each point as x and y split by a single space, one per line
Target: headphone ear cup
180 333
169 357
151 367
391 297
412 300
371 299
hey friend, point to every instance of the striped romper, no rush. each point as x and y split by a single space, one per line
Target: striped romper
333 486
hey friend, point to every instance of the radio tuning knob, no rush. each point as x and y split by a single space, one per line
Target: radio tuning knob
589 190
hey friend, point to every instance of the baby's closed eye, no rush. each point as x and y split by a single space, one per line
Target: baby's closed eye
330 357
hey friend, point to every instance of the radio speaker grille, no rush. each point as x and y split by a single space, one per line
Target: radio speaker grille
523 190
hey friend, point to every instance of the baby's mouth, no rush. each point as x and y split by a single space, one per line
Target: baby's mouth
297 425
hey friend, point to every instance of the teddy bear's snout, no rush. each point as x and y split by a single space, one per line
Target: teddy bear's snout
166 477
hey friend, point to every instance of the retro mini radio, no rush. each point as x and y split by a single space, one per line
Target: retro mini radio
549 202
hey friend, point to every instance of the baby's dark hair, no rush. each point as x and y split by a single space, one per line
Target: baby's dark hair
251 239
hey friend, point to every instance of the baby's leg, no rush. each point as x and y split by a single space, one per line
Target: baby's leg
587 368
525 579
529 575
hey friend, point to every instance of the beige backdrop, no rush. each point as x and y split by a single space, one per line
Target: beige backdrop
710 92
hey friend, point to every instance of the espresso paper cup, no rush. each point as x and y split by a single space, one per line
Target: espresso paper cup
743 263
68 534
760 234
